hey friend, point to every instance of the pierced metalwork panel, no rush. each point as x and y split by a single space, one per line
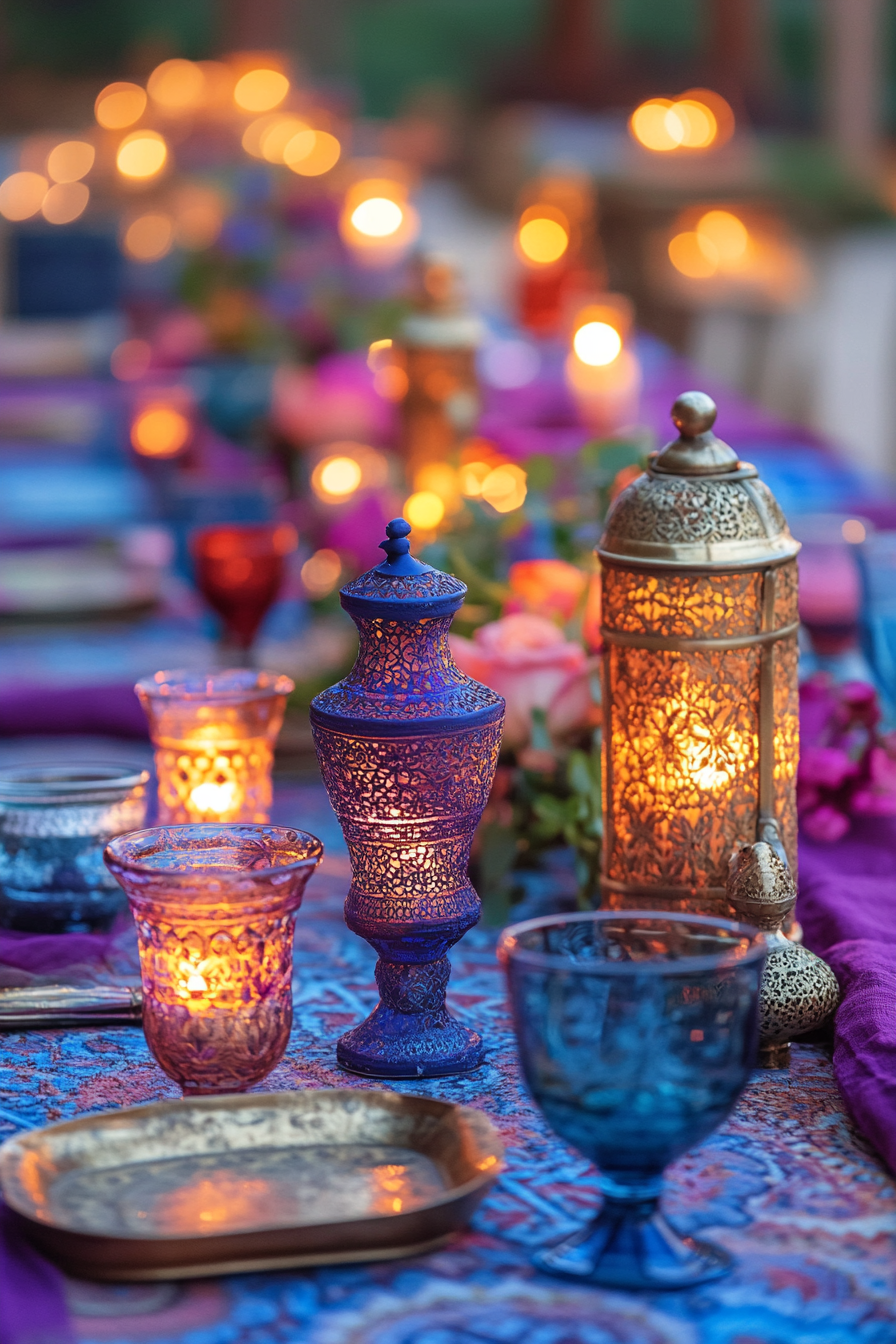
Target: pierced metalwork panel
683 606
787 742
401 588
676 509
402 779
405 671
787 582
684 740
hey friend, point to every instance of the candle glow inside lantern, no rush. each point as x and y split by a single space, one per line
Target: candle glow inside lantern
701 733
407 746
214 736
215 908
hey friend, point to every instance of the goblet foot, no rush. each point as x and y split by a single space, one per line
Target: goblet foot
631 1245
391 1044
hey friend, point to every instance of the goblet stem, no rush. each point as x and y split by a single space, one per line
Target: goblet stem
631 1245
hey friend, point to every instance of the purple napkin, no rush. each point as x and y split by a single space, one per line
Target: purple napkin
847 908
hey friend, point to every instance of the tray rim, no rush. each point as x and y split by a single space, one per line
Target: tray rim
234 1257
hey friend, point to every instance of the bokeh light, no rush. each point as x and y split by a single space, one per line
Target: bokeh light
440 478
177 86
64 202
543 235
160 431
472 476
321 572
141 154
119 105
597 343
379 353
377 217
315 158
255 132
336 478
698 124
391 382
198 216
424 510
277 136
70 161
130 360
509 364
260 90
693 256
149 237
853 530
504 488
723 237
698 120
22 195
652 127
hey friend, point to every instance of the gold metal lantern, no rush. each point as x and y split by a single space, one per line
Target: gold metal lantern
701 734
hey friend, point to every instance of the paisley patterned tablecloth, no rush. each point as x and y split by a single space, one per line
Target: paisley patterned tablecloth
786 1185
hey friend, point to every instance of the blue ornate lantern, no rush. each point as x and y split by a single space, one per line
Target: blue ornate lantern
407 746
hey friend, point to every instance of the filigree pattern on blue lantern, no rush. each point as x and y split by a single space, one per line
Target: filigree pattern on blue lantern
408 747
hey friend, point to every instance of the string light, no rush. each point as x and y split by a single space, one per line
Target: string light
722 236
178 86
275 138
65 202
260 90
504 488
160 431
377 217
149 237
70 161
424 510
312 153
321 573
698 120
597 343
141 154
119 105
543 235
336 478
22 195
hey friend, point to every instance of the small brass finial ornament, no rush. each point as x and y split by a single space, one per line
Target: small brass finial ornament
799 990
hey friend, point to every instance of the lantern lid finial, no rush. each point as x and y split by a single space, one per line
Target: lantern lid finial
696 451
397 547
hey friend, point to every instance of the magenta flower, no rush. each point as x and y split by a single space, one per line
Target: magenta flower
827 767
826 824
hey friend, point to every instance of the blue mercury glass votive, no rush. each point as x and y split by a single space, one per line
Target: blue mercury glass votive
55 821
637 1033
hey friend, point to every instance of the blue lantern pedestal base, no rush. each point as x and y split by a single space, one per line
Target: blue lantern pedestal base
410 1033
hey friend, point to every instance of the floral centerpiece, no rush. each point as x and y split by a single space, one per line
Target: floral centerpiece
847 764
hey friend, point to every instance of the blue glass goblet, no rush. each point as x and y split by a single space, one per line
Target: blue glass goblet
637 1033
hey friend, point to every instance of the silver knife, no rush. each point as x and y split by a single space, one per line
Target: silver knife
68 1006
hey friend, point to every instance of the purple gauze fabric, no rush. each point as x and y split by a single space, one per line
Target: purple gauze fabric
33 1309
847 908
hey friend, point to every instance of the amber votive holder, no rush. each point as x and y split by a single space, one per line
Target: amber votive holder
215 909
214 736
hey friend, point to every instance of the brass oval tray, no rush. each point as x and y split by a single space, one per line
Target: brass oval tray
219 1185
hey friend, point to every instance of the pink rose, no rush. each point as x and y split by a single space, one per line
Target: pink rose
878 797
526 659
826 824
827 767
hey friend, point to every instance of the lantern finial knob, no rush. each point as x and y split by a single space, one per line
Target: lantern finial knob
693 413
397 547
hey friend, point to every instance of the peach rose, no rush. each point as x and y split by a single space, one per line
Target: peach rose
549 588
528 660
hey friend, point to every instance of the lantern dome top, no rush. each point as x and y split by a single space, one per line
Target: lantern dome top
697 505
402 588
